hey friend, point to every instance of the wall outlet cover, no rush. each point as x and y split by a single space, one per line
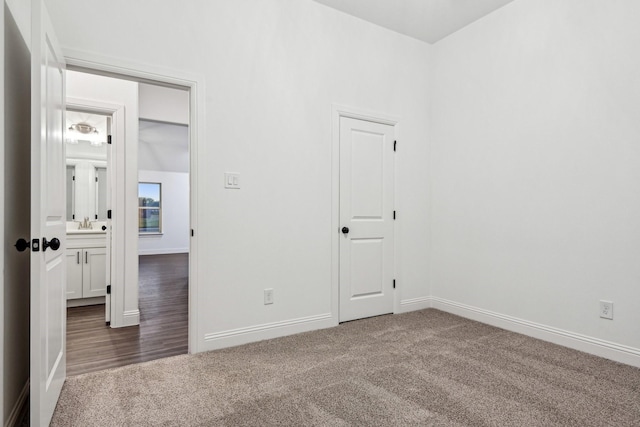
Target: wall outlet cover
606 309
268 296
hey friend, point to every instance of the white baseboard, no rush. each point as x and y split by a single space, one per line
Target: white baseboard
131 318
80 302
414 304
163 251
16 411
609 350
233 337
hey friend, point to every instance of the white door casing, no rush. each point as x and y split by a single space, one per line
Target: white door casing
197 132
366 209
107 298
48 219
115 128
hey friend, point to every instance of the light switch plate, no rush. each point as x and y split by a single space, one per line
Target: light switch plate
231 180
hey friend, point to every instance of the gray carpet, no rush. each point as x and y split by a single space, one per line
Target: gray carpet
422 368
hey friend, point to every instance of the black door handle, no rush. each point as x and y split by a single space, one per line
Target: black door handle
21 245
104 228
53 244
345 230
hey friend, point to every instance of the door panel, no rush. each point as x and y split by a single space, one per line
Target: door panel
55 290
367 274
48 219
366 209
367 172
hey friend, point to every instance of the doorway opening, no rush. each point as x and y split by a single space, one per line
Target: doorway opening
141 312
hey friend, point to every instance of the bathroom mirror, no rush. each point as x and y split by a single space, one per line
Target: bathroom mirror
86 156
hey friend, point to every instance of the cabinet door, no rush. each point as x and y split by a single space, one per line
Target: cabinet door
74 273
94 283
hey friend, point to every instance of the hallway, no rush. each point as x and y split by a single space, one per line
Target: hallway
93 346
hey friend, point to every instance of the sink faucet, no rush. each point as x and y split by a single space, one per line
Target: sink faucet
85 225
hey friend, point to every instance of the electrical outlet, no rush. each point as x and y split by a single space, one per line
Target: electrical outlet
606 309
268 296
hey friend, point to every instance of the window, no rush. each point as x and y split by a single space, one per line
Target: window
149 207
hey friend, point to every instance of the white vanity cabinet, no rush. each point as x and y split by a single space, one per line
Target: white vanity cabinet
86 265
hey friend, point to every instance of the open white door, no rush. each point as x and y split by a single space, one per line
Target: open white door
48 219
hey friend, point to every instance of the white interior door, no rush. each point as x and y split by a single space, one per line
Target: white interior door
48 219
366 218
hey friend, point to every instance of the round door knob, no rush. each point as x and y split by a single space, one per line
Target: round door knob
21 245
345 230
53 244
104 228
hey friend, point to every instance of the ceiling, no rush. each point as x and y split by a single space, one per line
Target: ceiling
166 134
163 146
426 20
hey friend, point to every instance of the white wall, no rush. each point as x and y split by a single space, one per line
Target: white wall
125 204
163 104
163 156
21 13
15 208
272 70
535 200
175 214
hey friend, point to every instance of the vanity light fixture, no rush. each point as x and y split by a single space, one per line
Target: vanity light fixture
83 132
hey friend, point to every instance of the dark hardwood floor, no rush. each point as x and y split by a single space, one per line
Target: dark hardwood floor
163 301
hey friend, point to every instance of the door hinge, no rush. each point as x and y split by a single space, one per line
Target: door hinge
73 178
109 214
394 283
192 232
394 145
394 214
96 179
109 139
108 289
73 216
